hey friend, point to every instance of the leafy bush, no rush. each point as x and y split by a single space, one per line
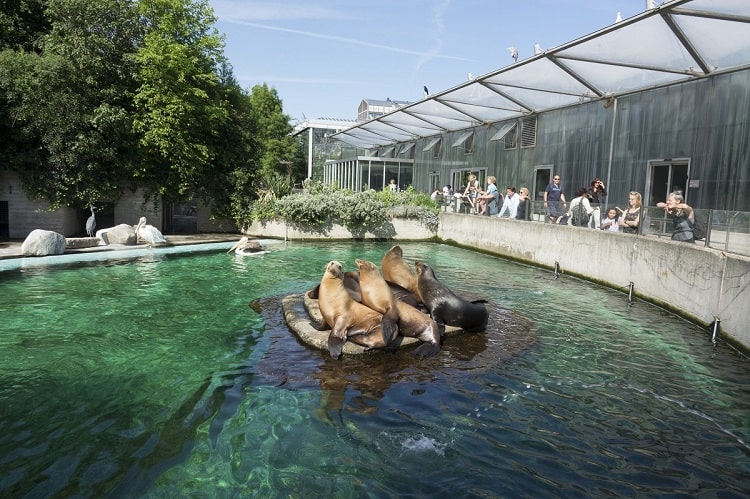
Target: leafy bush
320 205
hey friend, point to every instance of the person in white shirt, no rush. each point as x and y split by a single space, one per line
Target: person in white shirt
580 209
510 204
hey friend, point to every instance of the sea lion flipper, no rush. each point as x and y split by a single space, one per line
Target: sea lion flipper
390 329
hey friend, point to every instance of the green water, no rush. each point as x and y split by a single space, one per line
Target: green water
151 375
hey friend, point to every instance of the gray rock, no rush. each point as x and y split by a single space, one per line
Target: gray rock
120 234
43 243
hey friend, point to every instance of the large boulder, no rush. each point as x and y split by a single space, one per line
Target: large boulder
120 234
43 243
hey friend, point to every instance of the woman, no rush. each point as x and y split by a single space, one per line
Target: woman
631 218
597 194
523 204
682 217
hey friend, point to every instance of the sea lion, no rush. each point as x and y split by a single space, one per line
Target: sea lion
349 320
376 294
397 271
445 306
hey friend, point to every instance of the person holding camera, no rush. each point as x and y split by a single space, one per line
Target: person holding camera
597 195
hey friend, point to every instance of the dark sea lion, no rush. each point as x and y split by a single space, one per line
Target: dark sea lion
397 271
376 294
349 320
445 306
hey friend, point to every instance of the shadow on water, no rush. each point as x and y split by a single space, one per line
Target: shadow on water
357 383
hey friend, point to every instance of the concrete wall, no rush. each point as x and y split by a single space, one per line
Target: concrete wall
699 283
24 213
130 208
403 229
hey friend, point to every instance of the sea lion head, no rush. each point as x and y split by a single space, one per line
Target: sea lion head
396 251
334 269
365 266
422 268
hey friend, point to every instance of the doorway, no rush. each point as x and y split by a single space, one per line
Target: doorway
542 178
665 176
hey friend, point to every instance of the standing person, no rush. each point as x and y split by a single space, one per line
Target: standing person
523 204
597 194
631 218
611 222
510 204
580 209
682 217
488 197
472 190
554 200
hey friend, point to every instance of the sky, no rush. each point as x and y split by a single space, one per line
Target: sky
324 57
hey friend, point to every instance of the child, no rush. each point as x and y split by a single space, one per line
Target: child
612 222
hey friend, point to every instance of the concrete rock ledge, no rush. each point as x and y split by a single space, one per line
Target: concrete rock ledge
81 242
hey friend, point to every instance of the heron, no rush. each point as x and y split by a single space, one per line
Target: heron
91 223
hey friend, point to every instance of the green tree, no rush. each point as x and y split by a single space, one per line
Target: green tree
71 101
279 151
180 105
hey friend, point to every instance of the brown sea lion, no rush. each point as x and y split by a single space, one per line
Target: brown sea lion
349 320
397 271
445 306
376 294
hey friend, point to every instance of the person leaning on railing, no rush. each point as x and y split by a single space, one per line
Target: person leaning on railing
681 215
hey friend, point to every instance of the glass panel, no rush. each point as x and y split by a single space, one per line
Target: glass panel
503 130
613 79
540 75
431 143
462 139
704 33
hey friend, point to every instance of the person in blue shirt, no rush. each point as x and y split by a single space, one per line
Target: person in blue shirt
554 200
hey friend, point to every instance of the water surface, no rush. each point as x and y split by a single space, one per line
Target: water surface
150 375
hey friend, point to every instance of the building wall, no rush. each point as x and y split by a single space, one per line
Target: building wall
705 121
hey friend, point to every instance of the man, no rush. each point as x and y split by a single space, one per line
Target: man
553 196
510 204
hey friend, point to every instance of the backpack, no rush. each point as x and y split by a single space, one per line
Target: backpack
699 228
580 218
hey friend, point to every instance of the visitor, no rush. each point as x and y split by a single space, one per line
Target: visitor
681 215
580 209
597 194
510 204
611 221
554 201
631 217
489 199
522 213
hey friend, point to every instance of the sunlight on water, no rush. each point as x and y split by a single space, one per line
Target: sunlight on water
148 375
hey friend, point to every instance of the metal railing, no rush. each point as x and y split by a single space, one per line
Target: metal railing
725 230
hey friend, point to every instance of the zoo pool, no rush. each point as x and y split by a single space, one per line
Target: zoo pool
172 373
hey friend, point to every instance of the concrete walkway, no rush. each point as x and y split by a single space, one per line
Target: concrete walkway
12 249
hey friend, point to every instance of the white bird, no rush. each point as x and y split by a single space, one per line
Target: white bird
618 18
537 49
650 4
149 234
469 76
513 53
246 247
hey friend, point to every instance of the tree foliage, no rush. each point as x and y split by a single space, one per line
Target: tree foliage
100 96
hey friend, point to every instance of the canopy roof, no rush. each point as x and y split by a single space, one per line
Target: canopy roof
679 41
